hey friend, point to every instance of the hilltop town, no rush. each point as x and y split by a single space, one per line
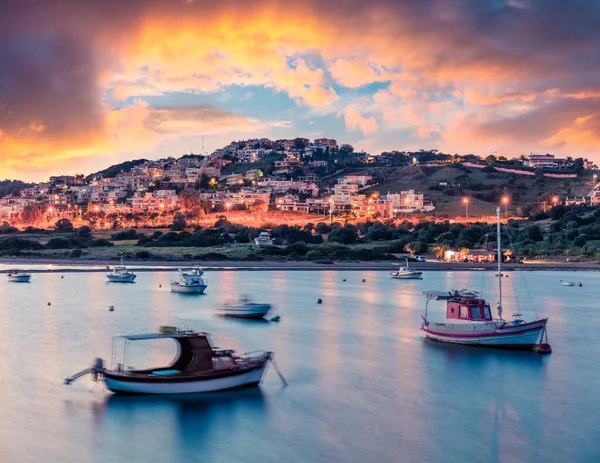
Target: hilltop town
301 176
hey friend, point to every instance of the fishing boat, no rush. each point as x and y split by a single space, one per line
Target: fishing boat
189 282
198 367
120 274
18 276
469 320
244 308
263 240
405 273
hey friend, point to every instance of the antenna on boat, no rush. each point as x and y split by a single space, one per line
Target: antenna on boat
499 264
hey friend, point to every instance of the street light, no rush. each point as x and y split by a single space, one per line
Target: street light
227 206
466 203
330 209
505 202
555 200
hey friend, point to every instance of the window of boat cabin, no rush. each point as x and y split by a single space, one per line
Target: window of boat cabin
223 362
487 312
464 312
476 312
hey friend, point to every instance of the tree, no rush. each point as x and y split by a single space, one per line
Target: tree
345 235
189 198
179 222
439 250
31 215
415 247
63 225
534 233
490 159
346 149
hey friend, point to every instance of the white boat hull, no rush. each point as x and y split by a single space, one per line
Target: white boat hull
250 378
521 336
188 289
248 311
407 276
121 279
20 278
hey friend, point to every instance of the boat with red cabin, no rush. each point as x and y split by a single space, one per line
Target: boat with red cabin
469 321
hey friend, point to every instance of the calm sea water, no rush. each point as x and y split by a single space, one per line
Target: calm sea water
363 384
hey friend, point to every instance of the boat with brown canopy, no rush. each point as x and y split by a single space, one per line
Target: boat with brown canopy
198 367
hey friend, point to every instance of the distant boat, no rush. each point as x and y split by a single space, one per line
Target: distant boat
263 240
244 308
469 320
120 274
405 273
189 282
198 367
568 283
18 276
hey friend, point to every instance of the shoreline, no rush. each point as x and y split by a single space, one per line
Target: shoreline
71 266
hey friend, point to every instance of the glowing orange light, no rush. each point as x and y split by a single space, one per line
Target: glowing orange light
466 200
505 199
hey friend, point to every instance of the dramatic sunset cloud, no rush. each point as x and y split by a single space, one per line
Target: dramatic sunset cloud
84 83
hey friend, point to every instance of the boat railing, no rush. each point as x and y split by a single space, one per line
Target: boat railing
461 327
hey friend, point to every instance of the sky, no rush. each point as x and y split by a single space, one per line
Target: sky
88 83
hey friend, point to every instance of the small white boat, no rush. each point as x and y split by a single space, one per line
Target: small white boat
244 308
120 274
568 283
189 282
18 276
405 273
198 367
263 240
469 320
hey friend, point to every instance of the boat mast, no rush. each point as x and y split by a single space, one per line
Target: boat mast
499 264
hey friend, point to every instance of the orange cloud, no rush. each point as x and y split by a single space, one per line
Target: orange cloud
357 122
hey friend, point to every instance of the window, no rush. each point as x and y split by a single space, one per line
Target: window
488 314
464 312
475 313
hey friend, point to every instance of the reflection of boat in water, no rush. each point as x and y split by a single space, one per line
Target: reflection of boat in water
244 308
18 276
120 274
263 240
199 367
405 273
469 321
189 282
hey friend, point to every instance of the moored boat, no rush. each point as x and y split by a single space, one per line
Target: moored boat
189 281
469 320
120 274
406 273
244 308
198 367
18 276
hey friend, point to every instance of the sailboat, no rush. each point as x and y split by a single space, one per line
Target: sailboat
469 320
405 273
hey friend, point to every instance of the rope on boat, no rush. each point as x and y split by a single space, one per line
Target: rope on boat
283 381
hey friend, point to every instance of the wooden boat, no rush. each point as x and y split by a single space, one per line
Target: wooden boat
189 282
469 321
244 308
18 276
198 367
405 273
